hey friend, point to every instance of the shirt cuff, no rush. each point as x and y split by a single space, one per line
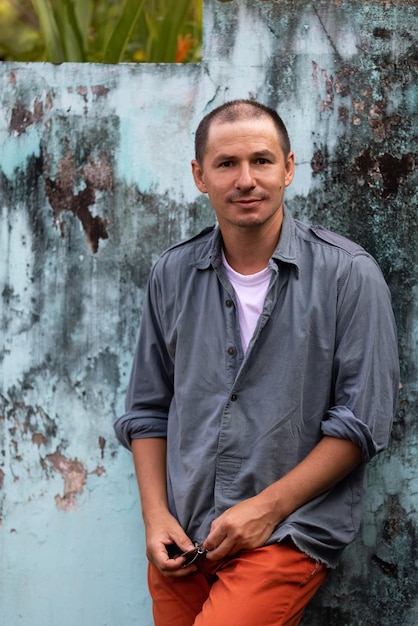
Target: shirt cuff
341 422
130 426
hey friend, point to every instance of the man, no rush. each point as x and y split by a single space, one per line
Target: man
265 379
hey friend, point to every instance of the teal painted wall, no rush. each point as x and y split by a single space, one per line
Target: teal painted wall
94 184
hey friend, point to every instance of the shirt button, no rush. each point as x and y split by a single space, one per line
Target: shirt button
229 303
231 351
233 397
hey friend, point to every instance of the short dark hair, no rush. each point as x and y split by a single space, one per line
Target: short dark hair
234 111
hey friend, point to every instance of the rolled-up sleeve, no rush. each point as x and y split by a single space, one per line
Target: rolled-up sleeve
366 364
150 388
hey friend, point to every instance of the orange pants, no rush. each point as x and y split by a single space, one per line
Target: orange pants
269 586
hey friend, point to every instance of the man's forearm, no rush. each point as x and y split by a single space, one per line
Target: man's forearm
149 457
328 463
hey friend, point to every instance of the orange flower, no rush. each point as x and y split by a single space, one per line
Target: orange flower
184 45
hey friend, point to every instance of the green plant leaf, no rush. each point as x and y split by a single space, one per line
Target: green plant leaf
69 31
126 25
74 45
50 31
84 13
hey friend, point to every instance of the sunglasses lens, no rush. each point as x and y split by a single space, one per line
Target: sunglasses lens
193 555
190 558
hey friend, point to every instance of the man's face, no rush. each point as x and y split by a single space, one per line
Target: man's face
244 173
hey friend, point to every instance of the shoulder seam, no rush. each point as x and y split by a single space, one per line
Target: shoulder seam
184 242
338 241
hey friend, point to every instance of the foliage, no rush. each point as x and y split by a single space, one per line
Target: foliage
101 31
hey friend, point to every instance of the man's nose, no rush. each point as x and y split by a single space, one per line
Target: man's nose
245 178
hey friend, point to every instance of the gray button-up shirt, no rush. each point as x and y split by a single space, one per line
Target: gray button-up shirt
322 361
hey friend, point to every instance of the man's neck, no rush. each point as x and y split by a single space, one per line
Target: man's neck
249 250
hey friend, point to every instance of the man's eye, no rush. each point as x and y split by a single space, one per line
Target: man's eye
225 164
262 161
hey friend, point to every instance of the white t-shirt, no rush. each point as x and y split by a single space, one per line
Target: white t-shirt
250 292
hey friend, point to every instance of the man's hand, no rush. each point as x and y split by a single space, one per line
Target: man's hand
159 537
245 526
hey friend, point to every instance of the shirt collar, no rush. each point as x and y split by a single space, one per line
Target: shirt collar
285 250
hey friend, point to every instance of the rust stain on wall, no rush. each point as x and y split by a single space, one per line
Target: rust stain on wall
385 171
102 445
97 176
99 90
75 477
99 471
318 161
22 117
38 439
83 90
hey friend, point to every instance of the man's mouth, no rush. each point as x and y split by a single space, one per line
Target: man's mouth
246 200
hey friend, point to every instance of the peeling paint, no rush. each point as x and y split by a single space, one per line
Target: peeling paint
99 90
38 439
102 445
318 161
75 477
97 176
386 170
22 118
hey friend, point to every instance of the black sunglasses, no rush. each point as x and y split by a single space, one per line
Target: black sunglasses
190 556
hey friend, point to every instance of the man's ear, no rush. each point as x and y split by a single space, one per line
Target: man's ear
290 168
198 176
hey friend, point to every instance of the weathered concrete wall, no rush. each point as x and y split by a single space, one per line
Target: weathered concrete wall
95 183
